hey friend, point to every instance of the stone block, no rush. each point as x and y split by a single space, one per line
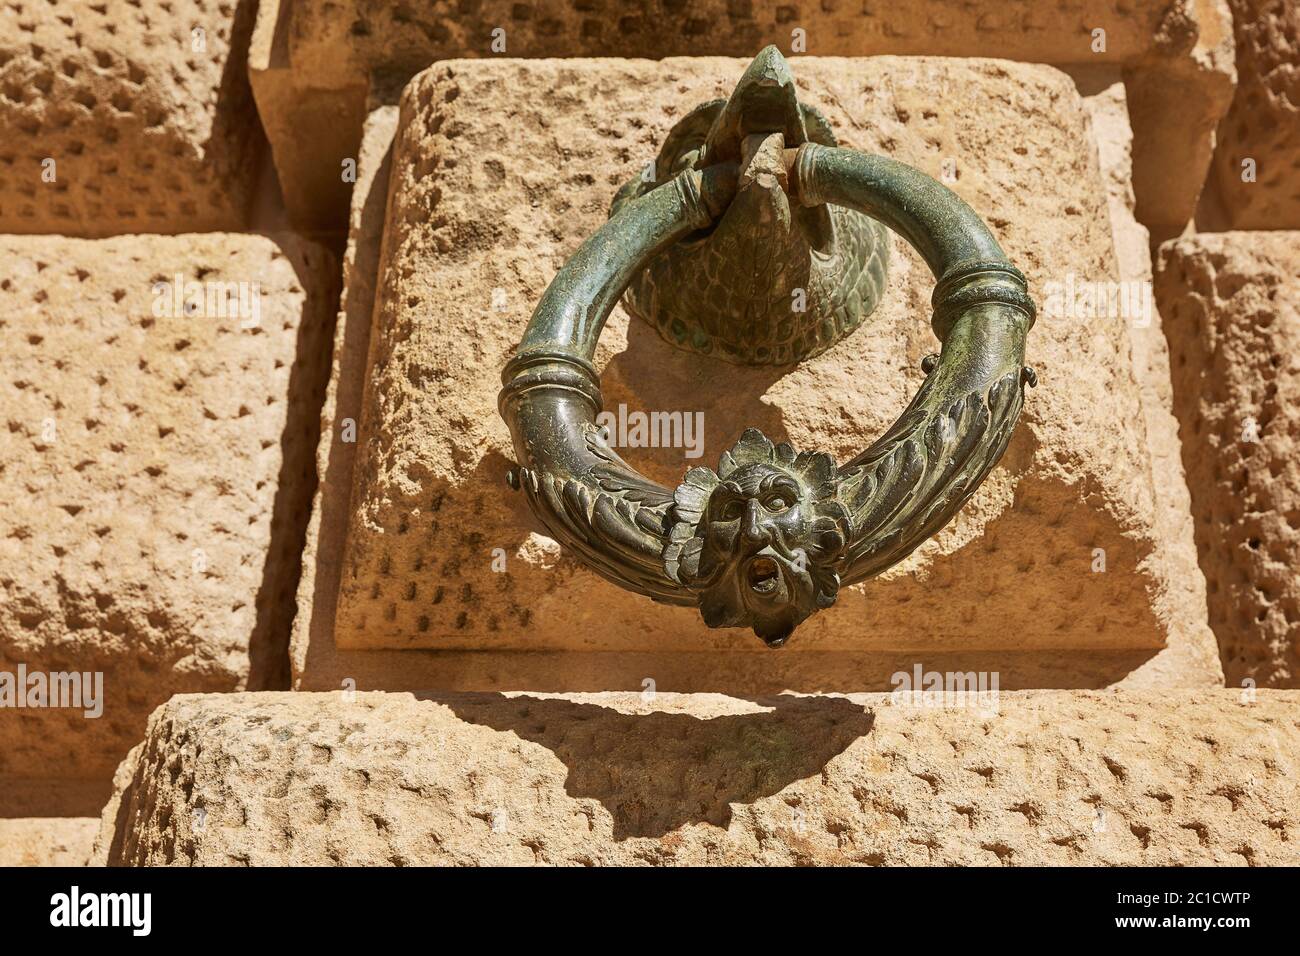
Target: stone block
1196 653
1262 125
1038 778
475 209
126 118
1231 302
312 118
312 645
155 474
314 59
1178 91
320 663
47 841
50 822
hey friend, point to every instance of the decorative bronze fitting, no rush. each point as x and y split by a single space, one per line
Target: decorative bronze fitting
771 282
768 538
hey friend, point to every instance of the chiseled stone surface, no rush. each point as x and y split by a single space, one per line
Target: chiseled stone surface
1196 653
155 474
389 779
312 59
1263 123
1231 302
487 199
374 34
150 125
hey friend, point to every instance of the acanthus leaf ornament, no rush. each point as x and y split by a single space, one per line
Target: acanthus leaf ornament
771 535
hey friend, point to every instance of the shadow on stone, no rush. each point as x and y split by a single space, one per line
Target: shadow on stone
652 376
268 645
658 771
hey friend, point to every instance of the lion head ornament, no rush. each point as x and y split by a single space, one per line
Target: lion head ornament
759 538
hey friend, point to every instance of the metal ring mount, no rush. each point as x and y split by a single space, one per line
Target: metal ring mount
771 536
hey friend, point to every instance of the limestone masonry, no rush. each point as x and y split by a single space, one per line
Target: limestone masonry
479 220
155 458
1233 306
120 118
595 779
267 598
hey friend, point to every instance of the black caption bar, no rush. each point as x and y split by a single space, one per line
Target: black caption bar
129 907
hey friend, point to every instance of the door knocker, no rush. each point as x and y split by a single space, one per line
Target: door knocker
769 537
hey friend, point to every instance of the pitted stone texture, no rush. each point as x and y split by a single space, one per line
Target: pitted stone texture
155 475
376 35
487 203
1263 122
146 132
1064 778
312 60
1232 306
319 664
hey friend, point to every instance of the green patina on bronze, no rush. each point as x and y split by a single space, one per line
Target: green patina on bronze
771 282
771 536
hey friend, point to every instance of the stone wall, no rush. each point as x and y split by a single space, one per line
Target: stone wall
161 371
313 60
1232 301
127 118
1258 154
1046 778
216 512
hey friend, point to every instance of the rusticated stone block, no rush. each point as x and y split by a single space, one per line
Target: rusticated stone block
1231 302
155 473
118 118
320 664
376 35
1057 778
1262 126
312 61
478 222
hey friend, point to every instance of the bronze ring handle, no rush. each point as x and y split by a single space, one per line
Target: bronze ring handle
770 537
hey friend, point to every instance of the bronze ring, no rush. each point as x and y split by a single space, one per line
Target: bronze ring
769 538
